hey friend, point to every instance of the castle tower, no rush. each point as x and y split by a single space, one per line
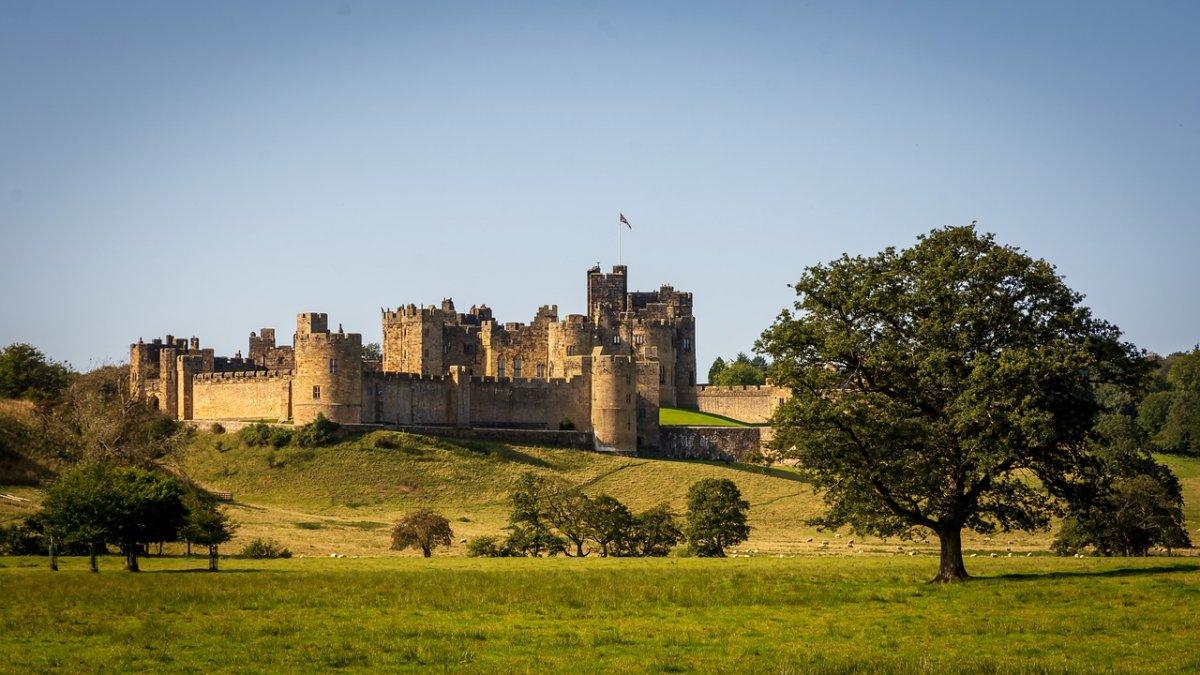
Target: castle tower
413 340
606 293
614 401
328 377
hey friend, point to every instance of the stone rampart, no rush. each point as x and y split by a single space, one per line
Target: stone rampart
753 404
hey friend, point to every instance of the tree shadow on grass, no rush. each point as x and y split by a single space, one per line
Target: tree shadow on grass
1080 574
758 469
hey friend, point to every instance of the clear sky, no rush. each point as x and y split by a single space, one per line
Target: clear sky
208 169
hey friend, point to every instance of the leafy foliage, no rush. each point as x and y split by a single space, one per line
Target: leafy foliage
317 433
1171 413
26 373
933 383
263 549
655 532
98 419
609 524
742 370
422 529
716 517
98 503
485 547
372 351
205 524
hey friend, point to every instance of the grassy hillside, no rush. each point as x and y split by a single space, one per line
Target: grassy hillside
616 615
341 498
678 417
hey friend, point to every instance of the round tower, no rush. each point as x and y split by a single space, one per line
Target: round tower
328 378
614 401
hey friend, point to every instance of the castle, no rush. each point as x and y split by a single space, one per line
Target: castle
606 372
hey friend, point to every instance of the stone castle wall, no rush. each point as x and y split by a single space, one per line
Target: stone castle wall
751 404
255 395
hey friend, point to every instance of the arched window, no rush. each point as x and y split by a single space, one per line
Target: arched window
516 367
541 371
499 367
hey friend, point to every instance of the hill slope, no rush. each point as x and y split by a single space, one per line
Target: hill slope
343 497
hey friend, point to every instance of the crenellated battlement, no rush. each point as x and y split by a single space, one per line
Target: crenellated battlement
242 375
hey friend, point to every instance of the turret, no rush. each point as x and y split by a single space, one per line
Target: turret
614 401
328 376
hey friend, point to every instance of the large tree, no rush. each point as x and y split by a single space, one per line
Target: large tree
943 387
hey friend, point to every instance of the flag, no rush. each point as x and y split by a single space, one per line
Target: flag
626 222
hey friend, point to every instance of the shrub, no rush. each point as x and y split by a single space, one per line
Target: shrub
255 435
217 428
279 437
316 433
566 424
485 547
21 539
263 549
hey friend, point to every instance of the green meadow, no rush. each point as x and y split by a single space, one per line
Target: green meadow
841 614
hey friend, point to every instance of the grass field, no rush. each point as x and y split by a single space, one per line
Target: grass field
837 613
678 417
341 499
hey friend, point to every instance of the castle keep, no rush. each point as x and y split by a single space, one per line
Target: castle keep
606 371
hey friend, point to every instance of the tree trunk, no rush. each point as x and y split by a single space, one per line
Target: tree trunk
53 555
212 558
579 549
92 559
189 549
426 551
951 568
131 561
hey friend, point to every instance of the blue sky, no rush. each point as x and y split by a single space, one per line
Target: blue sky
212 168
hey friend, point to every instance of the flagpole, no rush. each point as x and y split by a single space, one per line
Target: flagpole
619 233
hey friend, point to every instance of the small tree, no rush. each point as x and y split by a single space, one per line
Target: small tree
655 532
529 521
372 351
714 371
609 524
148 507
422 529
206 524
716 517
81 507
567 512
26 373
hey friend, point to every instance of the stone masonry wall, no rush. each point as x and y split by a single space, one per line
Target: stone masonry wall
751 404
241 396
726 444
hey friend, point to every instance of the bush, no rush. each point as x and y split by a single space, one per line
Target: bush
264 549
279 437
566 424
255 435
485 547
316 433
21 539
217 428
